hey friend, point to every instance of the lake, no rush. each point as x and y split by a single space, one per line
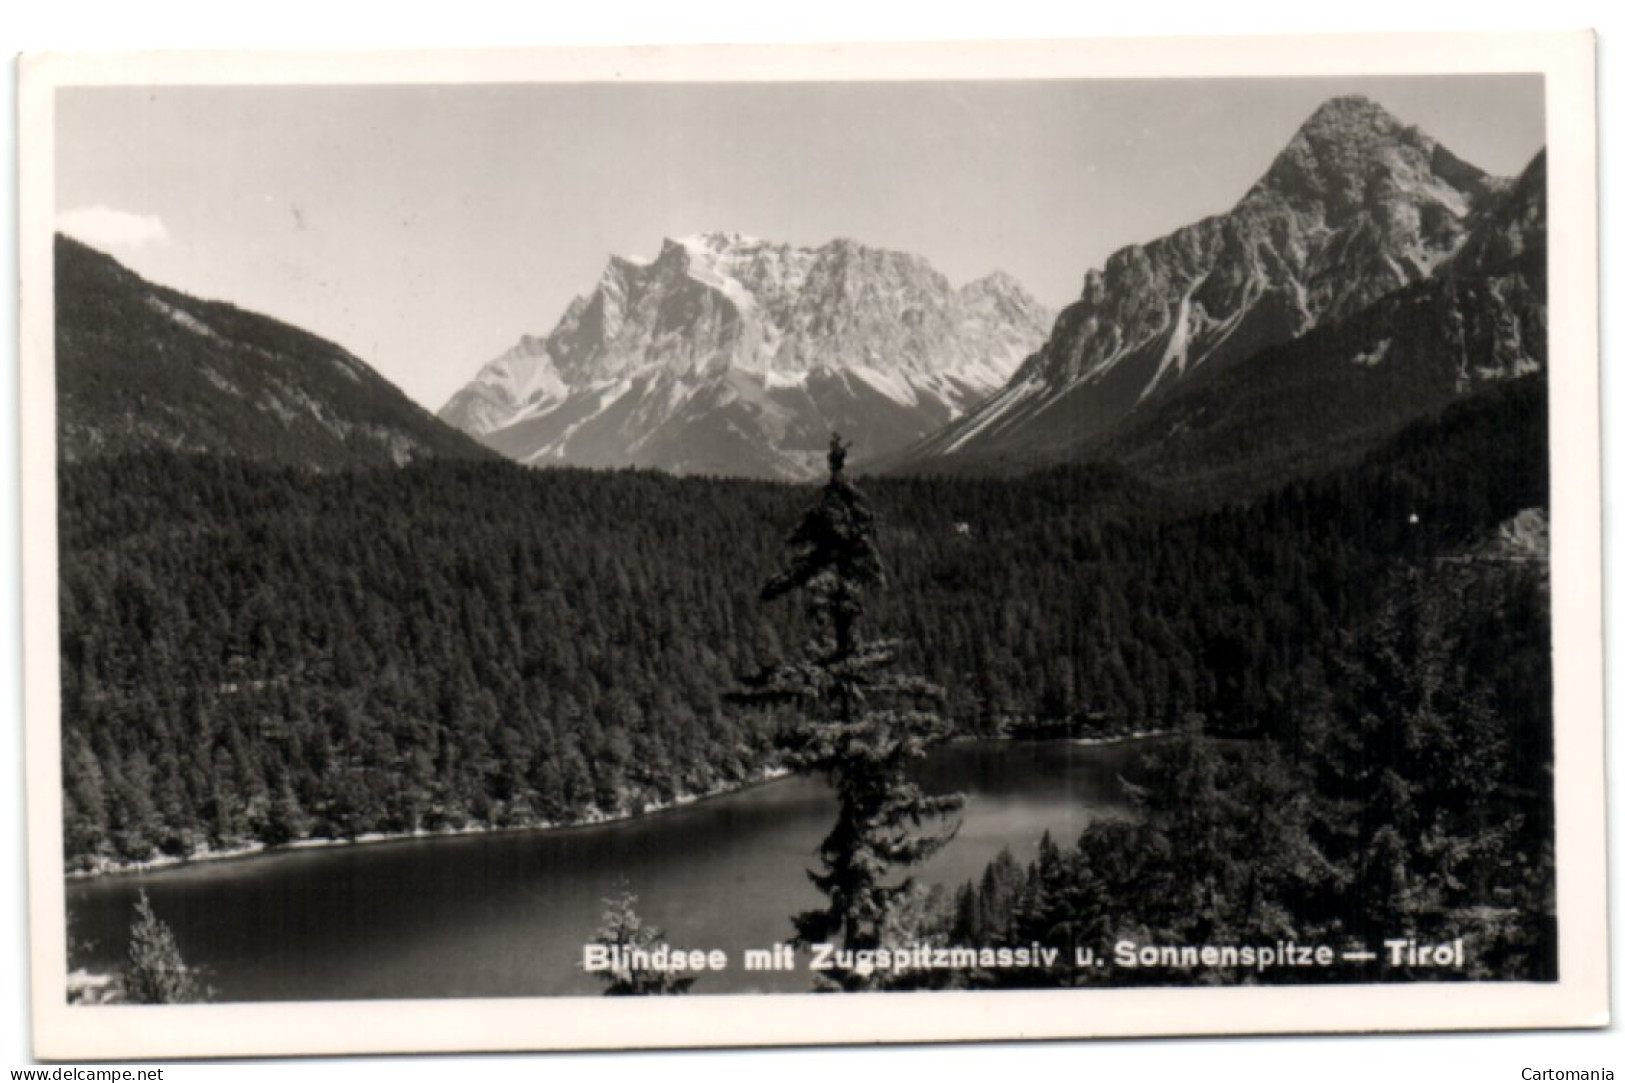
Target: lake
507 914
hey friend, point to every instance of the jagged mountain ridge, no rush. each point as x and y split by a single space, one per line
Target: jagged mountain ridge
1346 386
727 354
1355 207
1326 397
140 367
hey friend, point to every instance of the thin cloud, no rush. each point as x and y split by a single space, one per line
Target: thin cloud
104 227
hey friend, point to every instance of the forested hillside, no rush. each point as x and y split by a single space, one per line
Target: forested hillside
140 367
254 653
1411 797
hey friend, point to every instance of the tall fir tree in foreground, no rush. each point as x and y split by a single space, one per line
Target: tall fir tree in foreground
155 972
860 726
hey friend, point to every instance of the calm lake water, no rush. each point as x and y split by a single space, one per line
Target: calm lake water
507 914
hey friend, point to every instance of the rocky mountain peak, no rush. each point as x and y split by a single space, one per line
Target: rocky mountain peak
995 282
718 240
1352 153
1511 225
727 353
1349 116
1355 206
702 247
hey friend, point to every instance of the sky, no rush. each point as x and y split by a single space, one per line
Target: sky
426 228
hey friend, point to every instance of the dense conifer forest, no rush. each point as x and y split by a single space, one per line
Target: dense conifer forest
1410 798
256 654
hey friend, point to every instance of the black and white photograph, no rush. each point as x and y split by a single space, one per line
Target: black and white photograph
795 543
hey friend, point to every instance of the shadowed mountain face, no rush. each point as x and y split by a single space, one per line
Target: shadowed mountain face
731 355
142 368
1357 209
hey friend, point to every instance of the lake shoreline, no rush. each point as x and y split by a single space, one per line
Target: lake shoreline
1118 739
504 914
1085 742
109 868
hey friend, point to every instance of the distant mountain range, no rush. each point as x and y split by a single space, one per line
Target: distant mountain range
142 368
1366 278
730 355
